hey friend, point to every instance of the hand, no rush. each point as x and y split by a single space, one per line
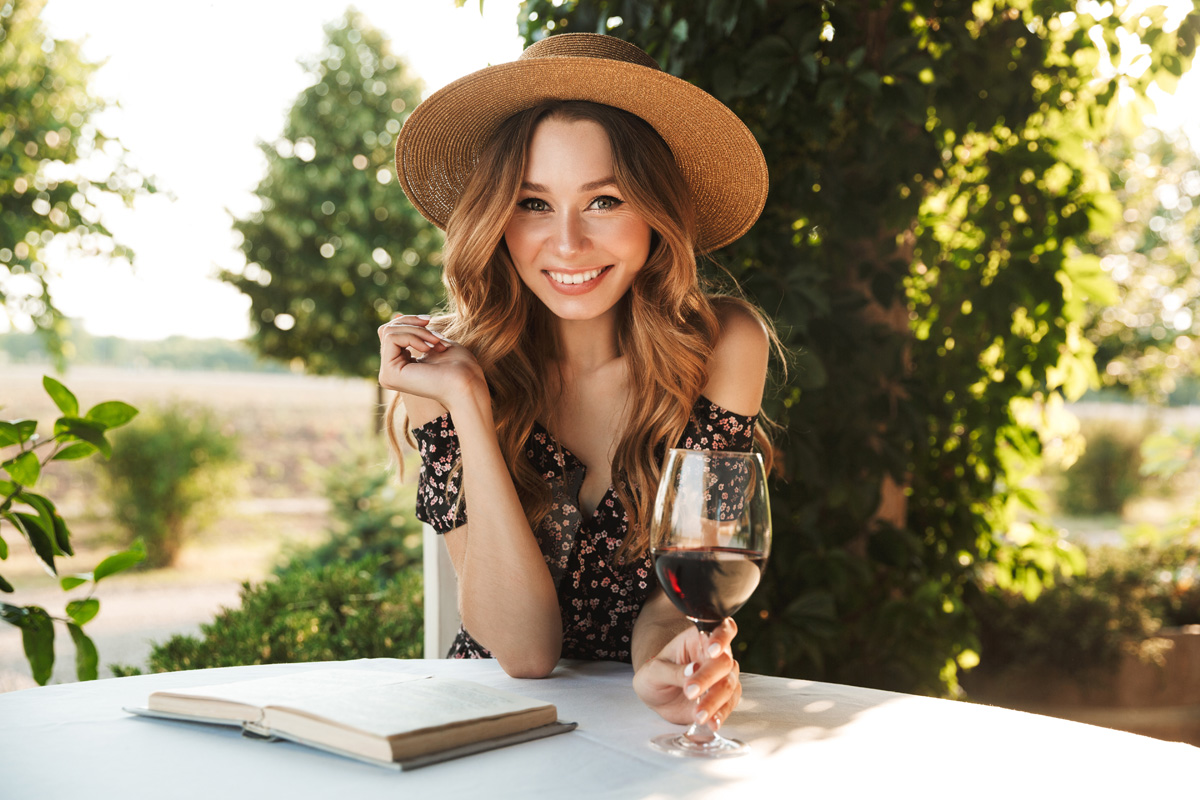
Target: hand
685 667
416 360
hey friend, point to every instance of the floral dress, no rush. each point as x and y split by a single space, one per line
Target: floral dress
599 597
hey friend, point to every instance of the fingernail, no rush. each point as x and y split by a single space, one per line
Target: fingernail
691 691
701 715
714 650
689 670
715 722
422 316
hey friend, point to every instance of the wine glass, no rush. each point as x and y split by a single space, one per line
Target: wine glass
710 537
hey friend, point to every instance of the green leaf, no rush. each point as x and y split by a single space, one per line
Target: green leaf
5 586
62 536
3 549
61 396
25 468
18 431
85 430
51 522
74 452
87 660
69 582
37 635
10 434
39 539
112 414
83 611
119 561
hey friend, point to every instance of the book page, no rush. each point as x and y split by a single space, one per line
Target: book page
245 699
403 708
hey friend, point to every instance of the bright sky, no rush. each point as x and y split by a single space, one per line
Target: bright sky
199 84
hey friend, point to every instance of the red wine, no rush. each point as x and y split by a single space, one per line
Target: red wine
709 584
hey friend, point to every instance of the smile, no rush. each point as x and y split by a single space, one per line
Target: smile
575 278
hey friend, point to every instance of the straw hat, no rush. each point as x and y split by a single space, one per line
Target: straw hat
717 155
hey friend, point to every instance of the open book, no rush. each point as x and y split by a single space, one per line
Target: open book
386 718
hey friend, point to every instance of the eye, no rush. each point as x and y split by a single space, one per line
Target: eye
534 204
606 203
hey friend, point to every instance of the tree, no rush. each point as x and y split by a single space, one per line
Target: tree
45 131
336 250
1147 341
933 179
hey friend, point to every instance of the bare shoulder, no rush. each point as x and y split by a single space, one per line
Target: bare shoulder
737 371
421 410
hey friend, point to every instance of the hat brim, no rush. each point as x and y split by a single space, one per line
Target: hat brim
719 158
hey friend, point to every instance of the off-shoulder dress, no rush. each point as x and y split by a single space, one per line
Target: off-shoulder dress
598 597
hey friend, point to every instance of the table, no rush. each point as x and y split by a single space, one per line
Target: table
811 740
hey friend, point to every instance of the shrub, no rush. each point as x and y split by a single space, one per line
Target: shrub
1106 476
372 516
1085 622
336 613
168 474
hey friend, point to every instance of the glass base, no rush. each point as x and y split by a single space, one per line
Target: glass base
678 744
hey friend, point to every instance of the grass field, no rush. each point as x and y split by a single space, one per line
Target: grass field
291 429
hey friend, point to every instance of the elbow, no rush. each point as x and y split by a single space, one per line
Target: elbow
529 665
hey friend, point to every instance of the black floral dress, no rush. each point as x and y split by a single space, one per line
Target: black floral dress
599 597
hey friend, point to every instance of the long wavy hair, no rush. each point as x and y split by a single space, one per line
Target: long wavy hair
668 321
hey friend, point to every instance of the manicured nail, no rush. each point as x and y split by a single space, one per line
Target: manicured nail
423 316
701 715
714 650
691 691
715 722
689 670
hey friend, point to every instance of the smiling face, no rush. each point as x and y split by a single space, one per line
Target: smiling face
574 240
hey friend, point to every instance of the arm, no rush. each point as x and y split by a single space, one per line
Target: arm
506 597
669 654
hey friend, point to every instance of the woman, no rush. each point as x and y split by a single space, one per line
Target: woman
576 186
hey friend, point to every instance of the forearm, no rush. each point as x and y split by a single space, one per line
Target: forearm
506 596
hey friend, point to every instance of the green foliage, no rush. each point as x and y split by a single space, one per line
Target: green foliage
335 251
169 473
1087 621
35 517
372 516
1108 474
1171 456
933 181
338 612
1146 342
45 130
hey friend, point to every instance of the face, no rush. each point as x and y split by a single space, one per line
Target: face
576 243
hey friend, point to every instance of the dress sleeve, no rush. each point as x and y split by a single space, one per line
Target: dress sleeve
715 428
439 487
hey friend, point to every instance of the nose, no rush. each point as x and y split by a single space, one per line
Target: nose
569 237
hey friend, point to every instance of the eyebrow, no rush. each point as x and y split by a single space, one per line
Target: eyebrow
587 187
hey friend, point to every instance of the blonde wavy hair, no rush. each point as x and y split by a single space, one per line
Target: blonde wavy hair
668 321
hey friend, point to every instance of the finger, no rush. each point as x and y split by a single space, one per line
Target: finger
417 339
661 679
722 637
715 706
706 675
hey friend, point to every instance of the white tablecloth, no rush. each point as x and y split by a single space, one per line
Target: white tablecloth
810 740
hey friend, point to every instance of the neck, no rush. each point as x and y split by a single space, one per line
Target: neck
587 345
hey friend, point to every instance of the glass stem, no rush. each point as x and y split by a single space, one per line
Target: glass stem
702 734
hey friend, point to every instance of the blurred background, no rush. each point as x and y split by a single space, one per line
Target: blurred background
981 248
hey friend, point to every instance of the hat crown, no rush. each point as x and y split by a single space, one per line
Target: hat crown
589 45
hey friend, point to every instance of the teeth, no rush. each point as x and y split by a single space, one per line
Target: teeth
573 278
